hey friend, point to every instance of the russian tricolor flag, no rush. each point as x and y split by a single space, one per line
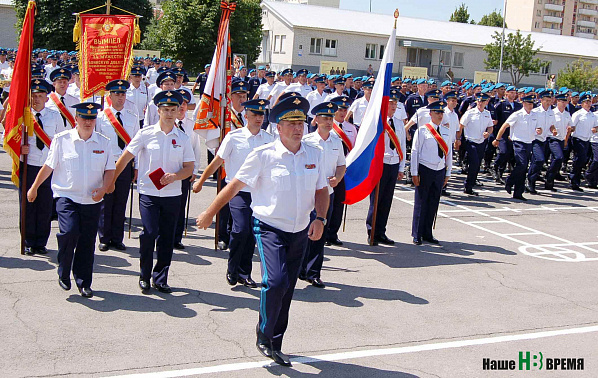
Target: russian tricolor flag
364 162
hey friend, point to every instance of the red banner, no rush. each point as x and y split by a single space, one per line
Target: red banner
17 106
105 46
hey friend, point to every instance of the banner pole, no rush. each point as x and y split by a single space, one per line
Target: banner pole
23 188
108 5
373 231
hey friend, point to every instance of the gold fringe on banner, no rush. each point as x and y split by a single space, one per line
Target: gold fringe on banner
77 31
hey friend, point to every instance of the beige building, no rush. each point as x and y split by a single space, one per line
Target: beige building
8 20
576 18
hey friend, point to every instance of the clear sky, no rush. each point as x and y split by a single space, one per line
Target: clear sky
440 10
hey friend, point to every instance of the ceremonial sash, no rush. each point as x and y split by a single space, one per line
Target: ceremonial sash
394 139
236 121
120 130
109 101
62 109
443 146
341 133
40 133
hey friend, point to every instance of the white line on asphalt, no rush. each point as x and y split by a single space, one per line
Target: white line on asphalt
366 353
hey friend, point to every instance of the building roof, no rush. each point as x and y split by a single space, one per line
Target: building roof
7 3
341 20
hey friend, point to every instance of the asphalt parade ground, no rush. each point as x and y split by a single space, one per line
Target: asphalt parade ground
509 277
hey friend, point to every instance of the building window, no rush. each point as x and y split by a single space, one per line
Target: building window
539 1
538 12
279 43
282 39
458 62
381 54
330 47
370 51
276 43
445 57
536 25
545 69
316 46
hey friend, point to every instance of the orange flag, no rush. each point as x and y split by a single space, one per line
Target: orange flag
17 108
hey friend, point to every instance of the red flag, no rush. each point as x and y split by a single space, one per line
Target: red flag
17 108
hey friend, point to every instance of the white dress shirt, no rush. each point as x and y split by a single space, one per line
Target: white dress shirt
358 108
264 90
155 149
424 150
561 122
49 69
151 114
188 127
475 124
152 75
302 89
332 96
400 113
523 126
79 165
334 155
139 97
583 121
74 90
315 99
277 91
236 146
349 129
104 126
68 102
453 121
391 156
422 116
545 121
283 184
52 124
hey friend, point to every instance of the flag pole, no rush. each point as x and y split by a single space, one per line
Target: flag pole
375 214
23 175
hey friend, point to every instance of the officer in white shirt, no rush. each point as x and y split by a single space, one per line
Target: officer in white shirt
152 73
451 99
546 122
523 126
357 109
61 101
120 125
287 77
477 124
273 128
137 93
233 152
51 66
339 87
263 92
82 168
422 115
39 212
186 125
431 164
393 170
301 85
317 96
180 76
276 173
584 124
334 166
165 81
562 123
164 156
74 88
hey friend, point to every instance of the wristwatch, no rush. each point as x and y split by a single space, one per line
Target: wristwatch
323 220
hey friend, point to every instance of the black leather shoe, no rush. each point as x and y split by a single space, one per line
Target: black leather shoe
531 190
519 197
336 242
41 250
179 246
86 292
232 280
592 186
29 251
431 240
317 283
119 246
222 246
281 358
163 288
247 282
417 241
470 192
383 239
144 285
263 344
499 180
478 183
508 188
576 188
370 241
103 247
445 193
64 284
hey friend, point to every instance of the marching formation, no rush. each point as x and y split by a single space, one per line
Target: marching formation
283 160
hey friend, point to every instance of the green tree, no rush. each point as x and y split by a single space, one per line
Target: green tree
492 19
188 31
579 75
519 55
54 21
461 14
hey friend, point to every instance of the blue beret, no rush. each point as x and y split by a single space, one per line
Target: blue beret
511 88
87 110
500 85
348 76
290 109
118 86
574 94
358 79
168 98
61 73
407 81
343 102
252 70
563 89
396 78
326 109
207 66
431 81
261 68
437 106
258 106
446 83
41 85
420 81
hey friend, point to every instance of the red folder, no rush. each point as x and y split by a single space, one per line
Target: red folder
155 176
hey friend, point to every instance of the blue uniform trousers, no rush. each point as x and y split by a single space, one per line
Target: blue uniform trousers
516 179
538 157
475 154
556 160
242 242
336 218
427 200
114 207
592 172
38 214
580 159
314 255
180 224
159 217
78 225
390 173
280 253
504 155
224 223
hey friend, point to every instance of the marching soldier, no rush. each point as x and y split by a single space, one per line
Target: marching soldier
120 125
46 124
546 121
584 124
334 166
431 163
562 123
82 167
301 85
61 101
165 82
276 172
339 88
287 77
165 156
502 112
359 106
137 93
